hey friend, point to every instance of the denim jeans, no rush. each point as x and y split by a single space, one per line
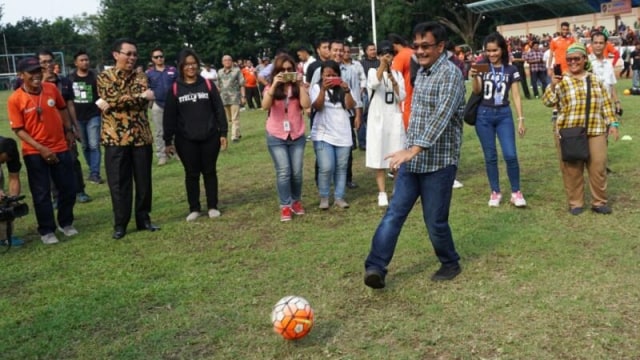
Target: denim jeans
90 132
636 79
40 175
332 164
434 190
492 121
288 156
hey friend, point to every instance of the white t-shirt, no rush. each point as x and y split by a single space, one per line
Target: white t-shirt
331 124
212 74
603 70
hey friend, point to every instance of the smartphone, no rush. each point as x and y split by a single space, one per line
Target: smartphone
336 81
557 70
482 68
289 76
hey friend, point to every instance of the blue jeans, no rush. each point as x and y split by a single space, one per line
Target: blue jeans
333 162
435 190
40 175
636 79
288 156
492 121
90 132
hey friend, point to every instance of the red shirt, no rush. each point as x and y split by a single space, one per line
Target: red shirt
47 127
250 79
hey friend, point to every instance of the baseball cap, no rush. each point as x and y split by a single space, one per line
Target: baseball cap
29 64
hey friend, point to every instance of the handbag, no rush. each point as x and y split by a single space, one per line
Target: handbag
471 108
574 142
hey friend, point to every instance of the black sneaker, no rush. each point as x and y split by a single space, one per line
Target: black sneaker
446 273
576 211
374 279
604 210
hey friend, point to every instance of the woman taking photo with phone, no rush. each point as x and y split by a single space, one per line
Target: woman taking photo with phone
495 118
331 132
284 99
385 131
194 120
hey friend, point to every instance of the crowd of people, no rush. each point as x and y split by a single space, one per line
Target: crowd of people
402 103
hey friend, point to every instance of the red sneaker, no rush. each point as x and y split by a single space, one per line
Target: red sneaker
285 214
297 208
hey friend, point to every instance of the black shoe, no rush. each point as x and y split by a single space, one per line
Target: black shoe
604 210
148 226
119 233
446 273
374 279
351 185
576 211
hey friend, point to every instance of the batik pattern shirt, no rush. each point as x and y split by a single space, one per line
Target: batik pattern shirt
229 82
436 117
125 123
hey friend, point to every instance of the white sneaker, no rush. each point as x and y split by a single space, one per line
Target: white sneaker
49 239
494 200
517 199
341 203
68 230
457 184
162 161
193 215
214 213
382 199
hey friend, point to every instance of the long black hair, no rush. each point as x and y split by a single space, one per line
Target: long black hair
337 93
499 40
278 91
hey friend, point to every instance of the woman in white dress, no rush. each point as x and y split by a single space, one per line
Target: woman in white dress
385 131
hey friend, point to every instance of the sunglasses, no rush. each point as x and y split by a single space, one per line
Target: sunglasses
129 53
574 59
424 46
158 56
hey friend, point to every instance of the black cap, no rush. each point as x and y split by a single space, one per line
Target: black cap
29 64
385 47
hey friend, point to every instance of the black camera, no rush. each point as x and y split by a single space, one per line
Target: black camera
11 208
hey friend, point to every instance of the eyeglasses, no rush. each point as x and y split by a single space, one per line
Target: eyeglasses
574 59
129 53
158 56
424 46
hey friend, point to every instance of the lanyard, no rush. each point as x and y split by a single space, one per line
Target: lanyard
493 72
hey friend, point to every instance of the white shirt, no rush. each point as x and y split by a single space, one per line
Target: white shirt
211 74
603 70
331 124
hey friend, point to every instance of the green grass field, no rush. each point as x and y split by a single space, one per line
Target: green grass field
537 283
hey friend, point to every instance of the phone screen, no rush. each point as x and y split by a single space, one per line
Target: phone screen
557 70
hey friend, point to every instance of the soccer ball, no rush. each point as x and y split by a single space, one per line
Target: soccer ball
627 92
292 317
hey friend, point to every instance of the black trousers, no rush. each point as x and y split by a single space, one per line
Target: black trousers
199 157
523 79
253 97
124 165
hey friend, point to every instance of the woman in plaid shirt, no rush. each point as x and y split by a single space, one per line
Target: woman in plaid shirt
569 94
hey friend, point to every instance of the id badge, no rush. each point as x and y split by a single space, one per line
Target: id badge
287 125
497 98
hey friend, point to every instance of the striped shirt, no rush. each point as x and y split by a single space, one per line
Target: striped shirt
570 96
436 117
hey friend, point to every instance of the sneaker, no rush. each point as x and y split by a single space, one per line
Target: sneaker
341 203
494 200
576 211
446 273
68 230
95 179
382 199
518 200
15 241
82 197
49 239
162 161
324 203
457 184
374 279
390 175
297 208
193 215
285 213
604 210
214 213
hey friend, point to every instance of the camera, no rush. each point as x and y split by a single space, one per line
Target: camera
11 208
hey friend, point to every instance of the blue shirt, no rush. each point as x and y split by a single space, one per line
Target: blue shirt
436 117
161 82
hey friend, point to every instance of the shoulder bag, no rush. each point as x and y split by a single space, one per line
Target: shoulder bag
471 109
574 143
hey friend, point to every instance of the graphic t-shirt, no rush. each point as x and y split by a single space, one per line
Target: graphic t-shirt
86 94
496 84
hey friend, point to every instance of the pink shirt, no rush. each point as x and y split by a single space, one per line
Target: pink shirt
277 120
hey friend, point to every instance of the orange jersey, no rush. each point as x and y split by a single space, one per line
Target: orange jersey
250 79
402 63
558 47
39 116
610 49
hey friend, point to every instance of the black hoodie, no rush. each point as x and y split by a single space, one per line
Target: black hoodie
194 112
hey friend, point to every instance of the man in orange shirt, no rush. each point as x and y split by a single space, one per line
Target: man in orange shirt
402 63
558 47
37 113
251 85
